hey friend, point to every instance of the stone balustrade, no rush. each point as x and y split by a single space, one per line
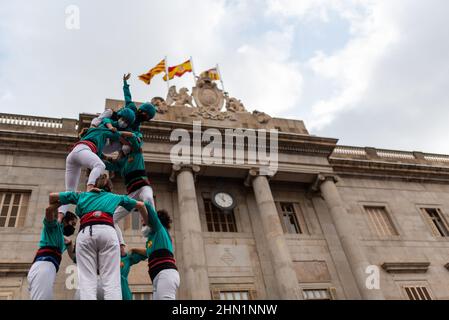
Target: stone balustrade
349 152
11 121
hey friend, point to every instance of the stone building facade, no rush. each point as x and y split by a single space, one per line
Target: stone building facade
330 220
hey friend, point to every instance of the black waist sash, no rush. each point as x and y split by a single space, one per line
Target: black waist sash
49 253
159 260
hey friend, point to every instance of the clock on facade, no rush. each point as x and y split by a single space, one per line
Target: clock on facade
223 200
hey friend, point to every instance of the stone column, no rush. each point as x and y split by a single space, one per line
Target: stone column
195 278
347 233
284 273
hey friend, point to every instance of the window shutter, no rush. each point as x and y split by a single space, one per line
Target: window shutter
23 210
430 223
301 219
280 215
443 219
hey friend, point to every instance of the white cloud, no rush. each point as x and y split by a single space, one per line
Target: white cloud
390 75
351 69
66 72
348 70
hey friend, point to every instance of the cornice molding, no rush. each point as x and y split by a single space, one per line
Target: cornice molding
14 268
392 170
406 267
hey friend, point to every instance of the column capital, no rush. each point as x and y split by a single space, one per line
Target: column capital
178 168
320 178
252 174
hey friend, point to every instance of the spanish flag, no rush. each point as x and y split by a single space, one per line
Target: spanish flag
211 73
179 70
146 77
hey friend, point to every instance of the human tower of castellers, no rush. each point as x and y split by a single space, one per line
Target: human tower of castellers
103 262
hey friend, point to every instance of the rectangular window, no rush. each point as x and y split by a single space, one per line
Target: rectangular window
436 221
13 208
380 221
417 292
292 219
216 219
142 295
316 294
234 295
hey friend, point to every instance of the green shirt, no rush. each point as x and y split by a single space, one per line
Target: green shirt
52 235
125 266
158 238
133 161
96 201
131 105
99 136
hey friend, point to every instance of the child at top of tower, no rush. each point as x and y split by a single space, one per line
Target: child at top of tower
144 112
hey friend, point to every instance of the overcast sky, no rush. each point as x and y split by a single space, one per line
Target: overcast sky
371 73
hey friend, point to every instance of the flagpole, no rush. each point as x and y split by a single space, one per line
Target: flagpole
168 77
193 70
221 78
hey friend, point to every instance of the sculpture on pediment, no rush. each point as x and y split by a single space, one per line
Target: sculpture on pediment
233 104
205 113
261 117
178 99
160 104
207 95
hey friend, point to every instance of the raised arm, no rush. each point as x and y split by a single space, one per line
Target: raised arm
126 91
51 212
153 219
62 198
143 211
53 199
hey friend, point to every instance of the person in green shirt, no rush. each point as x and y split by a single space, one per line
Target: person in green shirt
53 242
145 112
127 260
86 154
159 249
98 248
132 169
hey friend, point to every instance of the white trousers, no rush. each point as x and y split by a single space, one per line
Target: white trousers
142 194
41 278
81 157
100 251
100 292
166 284
105 114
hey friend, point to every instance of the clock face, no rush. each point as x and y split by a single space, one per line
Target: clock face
224 200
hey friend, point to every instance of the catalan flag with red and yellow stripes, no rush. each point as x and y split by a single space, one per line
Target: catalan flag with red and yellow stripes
179 70
159 68
211 74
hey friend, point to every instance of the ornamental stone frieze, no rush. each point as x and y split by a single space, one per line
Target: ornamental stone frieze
206 102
